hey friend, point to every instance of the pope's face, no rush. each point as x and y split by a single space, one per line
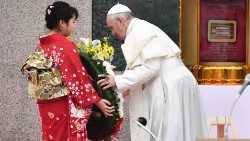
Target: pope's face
117 27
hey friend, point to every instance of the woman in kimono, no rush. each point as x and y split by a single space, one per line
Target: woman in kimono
59 81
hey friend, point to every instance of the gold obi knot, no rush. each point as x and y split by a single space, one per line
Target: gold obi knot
44 79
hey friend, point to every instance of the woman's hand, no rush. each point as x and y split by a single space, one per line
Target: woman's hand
107 82
104 106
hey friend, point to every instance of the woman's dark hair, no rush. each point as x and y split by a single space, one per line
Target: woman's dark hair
59 11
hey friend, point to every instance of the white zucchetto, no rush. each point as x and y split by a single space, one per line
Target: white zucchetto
118 8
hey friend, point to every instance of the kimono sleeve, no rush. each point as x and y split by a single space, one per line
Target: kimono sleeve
76 78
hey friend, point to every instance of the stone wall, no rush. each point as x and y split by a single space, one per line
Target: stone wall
22 22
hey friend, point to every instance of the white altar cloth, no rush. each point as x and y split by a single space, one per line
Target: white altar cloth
217 102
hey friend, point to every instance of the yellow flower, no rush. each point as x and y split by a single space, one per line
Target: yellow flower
98 50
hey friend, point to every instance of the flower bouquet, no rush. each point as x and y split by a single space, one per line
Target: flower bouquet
96 57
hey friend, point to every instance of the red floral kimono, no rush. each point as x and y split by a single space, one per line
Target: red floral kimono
65 118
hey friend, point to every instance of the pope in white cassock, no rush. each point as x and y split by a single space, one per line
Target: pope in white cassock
160 87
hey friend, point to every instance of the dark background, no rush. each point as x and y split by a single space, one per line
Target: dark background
163 13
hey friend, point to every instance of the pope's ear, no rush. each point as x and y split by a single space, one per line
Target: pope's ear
119 19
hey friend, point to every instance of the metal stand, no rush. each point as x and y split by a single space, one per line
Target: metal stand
143 127
230 115
245 84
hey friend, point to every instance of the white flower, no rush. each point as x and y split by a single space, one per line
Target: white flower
120 104
96 42
109 68
85 40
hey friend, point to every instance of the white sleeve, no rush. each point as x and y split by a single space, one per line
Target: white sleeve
138 75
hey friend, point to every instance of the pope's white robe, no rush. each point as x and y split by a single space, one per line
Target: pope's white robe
162 89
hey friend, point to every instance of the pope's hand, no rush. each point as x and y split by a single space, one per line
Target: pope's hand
107 82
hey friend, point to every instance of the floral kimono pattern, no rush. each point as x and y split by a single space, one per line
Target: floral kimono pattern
66 95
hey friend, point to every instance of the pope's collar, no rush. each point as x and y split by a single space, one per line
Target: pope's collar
130 26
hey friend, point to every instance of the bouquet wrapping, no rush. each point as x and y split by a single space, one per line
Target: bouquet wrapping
96 58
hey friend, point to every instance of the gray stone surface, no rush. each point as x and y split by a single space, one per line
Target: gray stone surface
22 22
